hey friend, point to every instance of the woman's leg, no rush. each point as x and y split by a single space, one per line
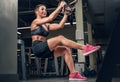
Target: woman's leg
66 52
61 40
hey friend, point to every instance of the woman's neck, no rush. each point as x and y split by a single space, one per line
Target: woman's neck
38 16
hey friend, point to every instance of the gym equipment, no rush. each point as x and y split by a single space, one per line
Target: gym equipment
22 59
72 6
92 73
111 58
86 73
71 16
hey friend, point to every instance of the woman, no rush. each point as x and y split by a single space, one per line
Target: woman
56 46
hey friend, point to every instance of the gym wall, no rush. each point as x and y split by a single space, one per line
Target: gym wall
8 41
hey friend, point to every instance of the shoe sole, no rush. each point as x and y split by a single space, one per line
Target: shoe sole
85 54
78 79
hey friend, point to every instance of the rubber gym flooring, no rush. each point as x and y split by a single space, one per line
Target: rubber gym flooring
65 80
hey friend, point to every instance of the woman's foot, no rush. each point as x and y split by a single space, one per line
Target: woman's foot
90 49
77 76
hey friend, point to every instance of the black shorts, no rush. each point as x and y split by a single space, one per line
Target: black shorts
41 49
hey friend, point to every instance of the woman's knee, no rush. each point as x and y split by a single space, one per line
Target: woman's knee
68 51
56 40
60 37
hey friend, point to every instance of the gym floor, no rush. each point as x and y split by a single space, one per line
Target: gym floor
66 80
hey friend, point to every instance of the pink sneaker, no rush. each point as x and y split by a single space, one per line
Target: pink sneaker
77 76
90 49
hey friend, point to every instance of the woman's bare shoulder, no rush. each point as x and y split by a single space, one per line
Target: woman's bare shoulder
33 24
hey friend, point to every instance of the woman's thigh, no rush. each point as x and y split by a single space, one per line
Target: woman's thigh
61 50
54 42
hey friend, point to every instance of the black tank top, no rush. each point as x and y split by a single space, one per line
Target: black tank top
40 30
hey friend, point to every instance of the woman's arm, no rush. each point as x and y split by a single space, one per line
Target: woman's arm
52 16
62 22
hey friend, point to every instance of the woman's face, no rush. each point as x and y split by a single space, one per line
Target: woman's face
42 11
